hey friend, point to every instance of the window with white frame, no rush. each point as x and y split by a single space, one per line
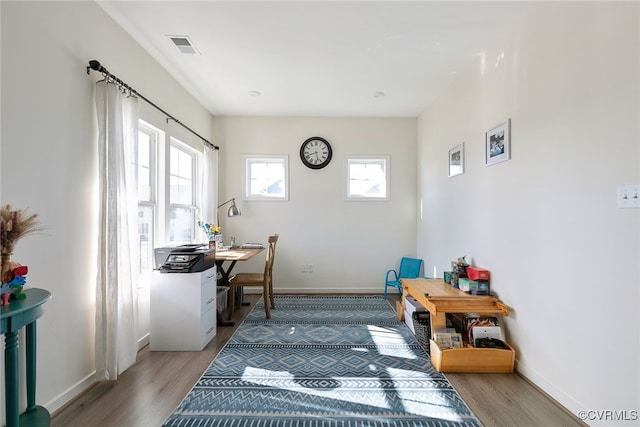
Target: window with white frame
367 178
146 164
266 177
183 166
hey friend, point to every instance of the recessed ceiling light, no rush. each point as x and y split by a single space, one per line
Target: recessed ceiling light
254 93
379 95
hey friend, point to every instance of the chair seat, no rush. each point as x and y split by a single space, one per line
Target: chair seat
247 279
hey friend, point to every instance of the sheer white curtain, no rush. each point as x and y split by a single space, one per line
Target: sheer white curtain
116 288
209 196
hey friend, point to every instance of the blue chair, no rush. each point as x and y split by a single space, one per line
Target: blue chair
409 269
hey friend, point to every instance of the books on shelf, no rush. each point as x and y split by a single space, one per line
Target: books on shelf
448 339
469 322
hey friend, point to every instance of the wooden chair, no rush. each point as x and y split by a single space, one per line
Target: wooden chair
258 279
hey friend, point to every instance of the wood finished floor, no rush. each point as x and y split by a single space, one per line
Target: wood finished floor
148 392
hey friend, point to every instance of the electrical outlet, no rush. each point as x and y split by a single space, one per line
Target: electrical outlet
629 196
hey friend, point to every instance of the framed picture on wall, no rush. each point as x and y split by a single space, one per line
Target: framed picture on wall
456 160
498 144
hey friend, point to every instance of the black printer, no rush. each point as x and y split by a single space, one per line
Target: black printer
185 258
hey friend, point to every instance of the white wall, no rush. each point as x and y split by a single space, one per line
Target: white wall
545 223
49 163
349 244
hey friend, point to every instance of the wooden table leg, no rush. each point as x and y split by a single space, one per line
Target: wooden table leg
438 320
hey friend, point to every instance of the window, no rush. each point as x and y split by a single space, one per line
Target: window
266 177
148 138
183 167
368 178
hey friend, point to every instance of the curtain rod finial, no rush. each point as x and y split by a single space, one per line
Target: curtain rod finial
95 65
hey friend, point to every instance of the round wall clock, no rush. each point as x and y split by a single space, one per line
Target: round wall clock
315 152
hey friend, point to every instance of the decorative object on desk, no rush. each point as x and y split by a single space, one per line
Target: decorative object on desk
484 288
459 269
212 232
219 241
447 277
252 246
456 160
304 369
467 285
498 144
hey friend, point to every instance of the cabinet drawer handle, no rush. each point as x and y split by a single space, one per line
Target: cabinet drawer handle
209 331
210 300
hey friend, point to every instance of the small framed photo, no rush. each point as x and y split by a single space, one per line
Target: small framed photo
219 238
498 144
456 160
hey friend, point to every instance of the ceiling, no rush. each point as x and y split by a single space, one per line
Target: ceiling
323 58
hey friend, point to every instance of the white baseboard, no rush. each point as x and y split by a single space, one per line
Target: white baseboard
77 389
143 341
327 291
559 396
71 393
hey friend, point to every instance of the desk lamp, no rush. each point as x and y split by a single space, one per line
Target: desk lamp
233 209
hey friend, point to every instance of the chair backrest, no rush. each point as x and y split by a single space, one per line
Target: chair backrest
271 255
409 268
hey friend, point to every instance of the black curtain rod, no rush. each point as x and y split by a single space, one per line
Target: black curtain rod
95 65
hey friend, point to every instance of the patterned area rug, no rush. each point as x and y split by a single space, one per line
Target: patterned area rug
322 362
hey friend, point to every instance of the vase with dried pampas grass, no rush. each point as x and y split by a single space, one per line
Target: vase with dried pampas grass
14 225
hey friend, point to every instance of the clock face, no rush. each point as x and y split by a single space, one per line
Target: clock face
315 152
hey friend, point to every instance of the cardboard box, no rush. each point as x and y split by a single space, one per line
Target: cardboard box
466 284
470 359
477 273
411 305
399 311
483 288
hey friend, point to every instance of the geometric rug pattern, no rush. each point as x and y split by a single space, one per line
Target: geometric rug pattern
322 361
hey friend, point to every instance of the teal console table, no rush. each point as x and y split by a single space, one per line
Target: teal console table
13 317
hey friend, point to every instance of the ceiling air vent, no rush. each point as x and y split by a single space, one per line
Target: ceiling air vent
184 44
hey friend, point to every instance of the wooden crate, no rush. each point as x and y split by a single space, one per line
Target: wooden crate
471 359
399 310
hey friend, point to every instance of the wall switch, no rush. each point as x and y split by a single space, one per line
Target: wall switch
629 196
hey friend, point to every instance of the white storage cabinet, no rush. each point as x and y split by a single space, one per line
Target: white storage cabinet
183 310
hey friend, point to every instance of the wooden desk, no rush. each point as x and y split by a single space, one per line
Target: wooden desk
233 256
13 317
440 298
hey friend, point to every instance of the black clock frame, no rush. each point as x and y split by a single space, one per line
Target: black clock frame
311 165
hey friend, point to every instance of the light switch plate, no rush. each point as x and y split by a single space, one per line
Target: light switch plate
629 196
